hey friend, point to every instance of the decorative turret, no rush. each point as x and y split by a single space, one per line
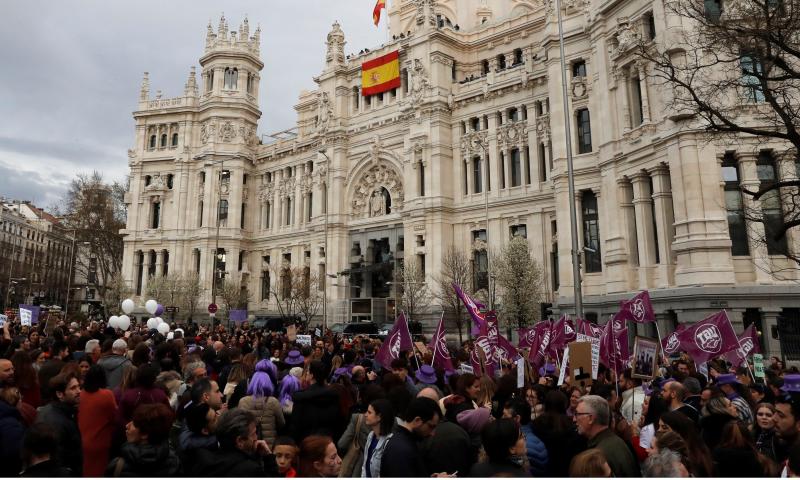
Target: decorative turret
190 89
225 41
144 93
336 43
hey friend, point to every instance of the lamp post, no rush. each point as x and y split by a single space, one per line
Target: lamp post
479 143
215 257
71 272
325 241
573 216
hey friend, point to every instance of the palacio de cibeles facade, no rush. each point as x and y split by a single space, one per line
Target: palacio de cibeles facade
474 131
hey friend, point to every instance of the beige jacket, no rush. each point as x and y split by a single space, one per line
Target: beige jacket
268 413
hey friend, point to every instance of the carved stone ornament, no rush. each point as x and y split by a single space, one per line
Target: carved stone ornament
227 132
419 83
478 245
375 149
513 134
471 142
579 88
207 132
543 126
265 193
425 9
335 45
324 112
369 191
626 38
156 184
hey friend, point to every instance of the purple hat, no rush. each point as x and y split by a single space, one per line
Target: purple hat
727 379
341 371
791 383
426 374
294 358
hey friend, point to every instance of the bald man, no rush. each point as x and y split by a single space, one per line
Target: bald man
6 372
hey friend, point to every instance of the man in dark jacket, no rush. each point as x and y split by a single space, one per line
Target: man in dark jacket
450 450
11 432
61 415
316 409
593 416
114 364
402 457
241 453
198 432
39 446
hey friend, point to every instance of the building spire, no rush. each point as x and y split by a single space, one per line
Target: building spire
190 89
144 93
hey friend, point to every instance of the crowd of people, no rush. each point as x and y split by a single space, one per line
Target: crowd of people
90 400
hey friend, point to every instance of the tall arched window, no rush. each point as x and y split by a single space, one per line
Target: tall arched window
231 78
737 226
771 209
163 140
152 142
223 211
174 139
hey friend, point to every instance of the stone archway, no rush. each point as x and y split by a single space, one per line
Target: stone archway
378 192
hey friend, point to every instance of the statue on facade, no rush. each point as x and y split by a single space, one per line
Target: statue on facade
324 112
418 82
377 204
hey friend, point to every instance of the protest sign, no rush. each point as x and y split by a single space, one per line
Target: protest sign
304 339
595 351
758 365
291 332
3 320
580 361
520 372
563 373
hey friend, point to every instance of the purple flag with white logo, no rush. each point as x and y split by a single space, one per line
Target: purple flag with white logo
748 345
590 329
438 345
563 332
709 338
672 343
614 352
29 314
398 340
505 351
638 309
473 307
541 343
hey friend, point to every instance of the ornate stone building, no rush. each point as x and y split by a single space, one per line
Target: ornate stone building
478 119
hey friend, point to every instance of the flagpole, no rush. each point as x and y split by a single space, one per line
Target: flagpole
660 343
416 360
436 342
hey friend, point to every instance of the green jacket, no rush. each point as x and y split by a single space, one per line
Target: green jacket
618 455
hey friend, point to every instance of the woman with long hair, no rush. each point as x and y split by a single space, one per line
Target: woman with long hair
557 431
289 385
736 455
574 395
380 419
717 412
504 445
261 402
764 430
147 452
699 454
319 458
128 379
534 395
26 379
653 407
97 413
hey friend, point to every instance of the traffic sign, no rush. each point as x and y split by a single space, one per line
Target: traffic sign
212 308
171 309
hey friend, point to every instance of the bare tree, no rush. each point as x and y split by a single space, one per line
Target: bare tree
308 295
734 71
192 292
520 280
96 212
235 295
285 289
456 268
117 290
415 294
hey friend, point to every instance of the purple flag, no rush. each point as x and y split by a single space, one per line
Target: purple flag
505 350
237 315
541 344
474 309
672 343
398 340
563 332
748 345
638 309
590 329
29 314
441 355
526 337
614 352
484 343
709 338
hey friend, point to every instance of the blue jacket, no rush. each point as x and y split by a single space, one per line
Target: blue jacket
11 432
537 452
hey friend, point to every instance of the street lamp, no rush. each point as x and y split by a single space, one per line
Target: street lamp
325 241
215 257
71 270
479 143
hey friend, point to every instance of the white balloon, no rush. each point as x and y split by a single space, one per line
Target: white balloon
170 335
163 328
123 322
160 320
152 323
128 306
112 321
151 306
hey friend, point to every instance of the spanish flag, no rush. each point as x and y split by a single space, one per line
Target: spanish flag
380 74
376 12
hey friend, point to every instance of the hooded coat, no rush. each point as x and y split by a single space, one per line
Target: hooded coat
11 433
315 409
114 366
145 460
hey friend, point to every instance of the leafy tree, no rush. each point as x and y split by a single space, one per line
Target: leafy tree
520 281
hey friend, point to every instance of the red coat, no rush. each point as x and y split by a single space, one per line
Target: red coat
133 397
97 414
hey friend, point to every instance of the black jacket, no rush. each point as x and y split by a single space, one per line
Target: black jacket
562 443
315 409
737 462
48 468
232 463
402 457
489 469
11 433
63 419
711 428
145 460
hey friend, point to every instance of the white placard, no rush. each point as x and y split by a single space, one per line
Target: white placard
25 317
304 339
3 320
564 364
520 372
465 368
595 351
703 369
317 332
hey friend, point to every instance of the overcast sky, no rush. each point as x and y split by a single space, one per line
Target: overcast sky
72 71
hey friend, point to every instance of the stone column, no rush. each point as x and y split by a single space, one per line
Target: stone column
642 203
470 181
769 319
159 262
787 171
622 79
507 167
629 220
526 164
665 218
758 249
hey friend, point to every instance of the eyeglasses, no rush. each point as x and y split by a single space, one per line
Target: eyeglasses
578 414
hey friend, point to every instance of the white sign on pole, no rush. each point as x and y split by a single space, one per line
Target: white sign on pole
465 368
564 364
3 320
595 351
520 372
318 332
304 339
758 365
25 317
